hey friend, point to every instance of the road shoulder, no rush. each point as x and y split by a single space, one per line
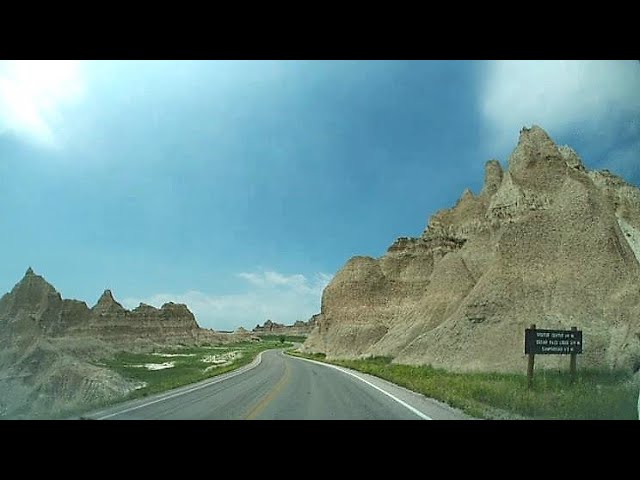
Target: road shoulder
427 407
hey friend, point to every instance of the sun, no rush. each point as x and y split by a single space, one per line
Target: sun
32 92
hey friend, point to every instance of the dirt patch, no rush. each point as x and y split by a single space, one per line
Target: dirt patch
221 360
155 366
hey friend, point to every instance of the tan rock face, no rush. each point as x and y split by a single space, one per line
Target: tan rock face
30 309
107 305
546 242
492 177
49 346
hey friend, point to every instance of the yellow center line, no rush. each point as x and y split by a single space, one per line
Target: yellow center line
273 393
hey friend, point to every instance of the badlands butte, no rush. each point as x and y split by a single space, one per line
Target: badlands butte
547 242
51 349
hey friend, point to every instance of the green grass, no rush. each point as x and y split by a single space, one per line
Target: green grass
287 338
596 394
186 369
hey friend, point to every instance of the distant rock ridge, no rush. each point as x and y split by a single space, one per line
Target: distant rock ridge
546 241
34 308
298 328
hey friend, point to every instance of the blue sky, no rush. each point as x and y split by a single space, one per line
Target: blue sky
242 187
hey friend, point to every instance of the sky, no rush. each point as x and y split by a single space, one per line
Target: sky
241 187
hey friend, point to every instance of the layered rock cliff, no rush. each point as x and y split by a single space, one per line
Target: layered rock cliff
34 308
545 242
50 346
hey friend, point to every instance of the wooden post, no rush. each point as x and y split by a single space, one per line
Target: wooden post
532 357
572 361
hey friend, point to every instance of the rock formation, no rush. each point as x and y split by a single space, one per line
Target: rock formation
34 308
299 328
49 346
545 242
267 327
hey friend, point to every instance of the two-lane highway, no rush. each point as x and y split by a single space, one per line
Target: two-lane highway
277 386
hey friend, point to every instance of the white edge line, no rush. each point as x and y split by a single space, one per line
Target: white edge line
251 366
393 397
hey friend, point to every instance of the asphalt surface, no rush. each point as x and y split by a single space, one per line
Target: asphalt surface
280 387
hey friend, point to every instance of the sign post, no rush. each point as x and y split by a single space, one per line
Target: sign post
572 361
552 342
532 359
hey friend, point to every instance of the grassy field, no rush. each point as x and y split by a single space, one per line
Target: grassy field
187 364
594 395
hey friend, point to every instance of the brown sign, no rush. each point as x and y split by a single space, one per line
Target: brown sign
552 342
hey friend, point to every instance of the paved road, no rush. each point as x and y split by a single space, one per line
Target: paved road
276 386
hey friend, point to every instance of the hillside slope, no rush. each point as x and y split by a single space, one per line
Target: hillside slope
545 242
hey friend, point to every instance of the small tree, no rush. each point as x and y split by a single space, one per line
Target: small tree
281 338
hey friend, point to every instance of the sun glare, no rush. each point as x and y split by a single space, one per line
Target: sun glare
31 93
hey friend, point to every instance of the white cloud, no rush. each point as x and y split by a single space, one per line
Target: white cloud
296 282
577 96
272 295
32 93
